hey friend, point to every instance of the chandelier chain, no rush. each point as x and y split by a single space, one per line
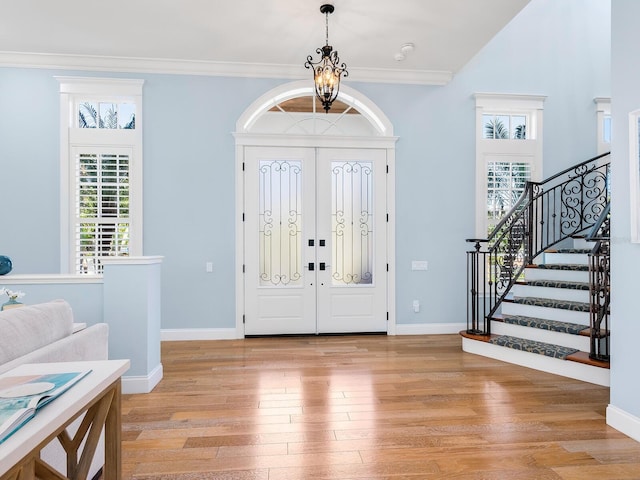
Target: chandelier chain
326 18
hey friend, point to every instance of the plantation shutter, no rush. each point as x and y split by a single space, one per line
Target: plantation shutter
506 181
102 220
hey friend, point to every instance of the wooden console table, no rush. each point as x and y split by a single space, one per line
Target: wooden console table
97 394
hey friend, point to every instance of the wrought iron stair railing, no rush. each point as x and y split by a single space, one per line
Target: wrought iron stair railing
562 206
599 287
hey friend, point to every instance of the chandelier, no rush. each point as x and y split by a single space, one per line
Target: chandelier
328 70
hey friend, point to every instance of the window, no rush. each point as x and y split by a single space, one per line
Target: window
101 164
508 153
106 115
101 220
506 181
502 127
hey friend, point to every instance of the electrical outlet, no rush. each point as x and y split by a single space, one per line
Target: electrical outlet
209 267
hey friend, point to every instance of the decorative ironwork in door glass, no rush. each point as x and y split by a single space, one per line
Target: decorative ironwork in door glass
352 222
280 223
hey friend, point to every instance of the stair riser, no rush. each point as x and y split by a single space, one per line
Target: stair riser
548 313
566 275
570 258
582 243
556 338
551 293
585 373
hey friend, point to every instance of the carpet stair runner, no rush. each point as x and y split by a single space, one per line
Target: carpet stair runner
547 314
531 346
544 324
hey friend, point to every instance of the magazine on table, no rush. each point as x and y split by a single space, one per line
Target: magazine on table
22 396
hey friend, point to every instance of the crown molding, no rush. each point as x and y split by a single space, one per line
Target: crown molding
211 68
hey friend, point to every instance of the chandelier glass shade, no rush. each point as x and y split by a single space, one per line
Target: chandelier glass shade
328 70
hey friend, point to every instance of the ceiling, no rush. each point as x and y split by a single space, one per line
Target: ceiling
269 38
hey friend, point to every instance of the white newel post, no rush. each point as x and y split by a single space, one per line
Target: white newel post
132 308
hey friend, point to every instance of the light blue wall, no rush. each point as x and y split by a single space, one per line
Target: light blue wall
86 299
29 170
560 49
625 256
131 308
557 49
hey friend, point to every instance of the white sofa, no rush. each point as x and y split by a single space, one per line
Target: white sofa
44 333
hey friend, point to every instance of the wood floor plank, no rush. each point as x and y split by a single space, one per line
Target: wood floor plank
365 407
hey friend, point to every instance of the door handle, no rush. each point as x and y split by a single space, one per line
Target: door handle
323 266
311 267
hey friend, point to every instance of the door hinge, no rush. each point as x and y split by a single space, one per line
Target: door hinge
243 217
387 316
243 268
244 320
387 168
387 267
243 167
387 218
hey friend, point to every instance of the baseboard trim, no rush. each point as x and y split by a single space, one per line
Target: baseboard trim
186 334
142 383
429 328
623 422
180 334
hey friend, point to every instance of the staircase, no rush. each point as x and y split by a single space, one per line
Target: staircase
547 314
531 293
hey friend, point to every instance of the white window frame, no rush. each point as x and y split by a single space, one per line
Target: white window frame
73 91
527 150
603 110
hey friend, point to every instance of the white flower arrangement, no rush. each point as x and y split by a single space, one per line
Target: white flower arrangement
11 294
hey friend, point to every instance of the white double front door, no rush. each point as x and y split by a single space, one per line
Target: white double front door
315 230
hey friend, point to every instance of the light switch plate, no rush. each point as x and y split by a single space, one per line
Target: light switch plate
419 265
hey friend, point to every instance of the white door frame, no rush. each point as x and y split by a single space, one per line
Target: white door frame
244 137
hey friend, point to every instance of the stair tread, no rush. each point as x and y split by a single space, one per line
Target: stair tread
544 324
577 356
573 250
583 357
558 284
477 336
552 303
563 266
533 346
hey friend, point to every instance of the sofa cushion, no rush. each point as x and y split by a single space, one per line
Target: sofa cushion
25 329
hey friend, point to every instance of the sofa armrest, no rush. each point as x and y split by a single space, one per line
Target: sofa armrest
88 344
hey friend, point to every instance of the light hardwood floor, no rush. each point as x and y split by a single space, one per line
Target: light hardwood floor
365 407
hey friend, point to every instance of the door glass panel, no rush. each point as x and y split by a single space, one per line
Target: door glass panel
352 222
280 223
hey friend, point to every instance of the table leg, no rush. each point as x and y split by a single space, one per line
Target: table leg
25 471
113 437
